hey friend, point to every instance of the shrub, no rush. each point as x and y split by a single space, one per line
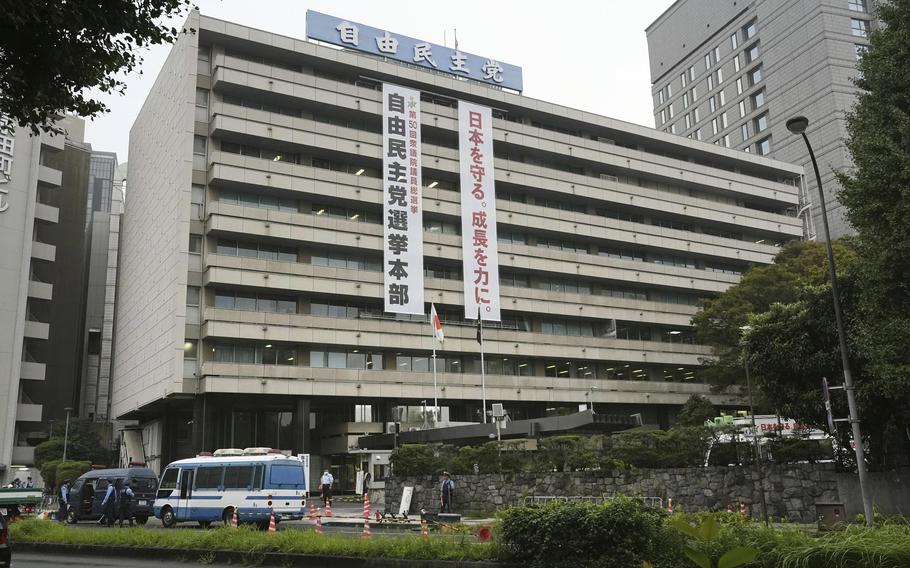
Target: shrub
48 469
620 533
72 469
415 459
677 447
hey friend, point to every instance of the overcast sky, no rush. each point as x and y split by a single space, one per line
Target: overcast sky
591 55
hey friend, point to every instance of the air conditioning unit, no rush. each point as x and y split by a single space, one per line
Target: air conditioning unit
391 428
609 177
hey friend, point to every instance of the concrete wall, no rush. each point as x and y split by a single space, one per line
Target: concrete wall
148 358
792 490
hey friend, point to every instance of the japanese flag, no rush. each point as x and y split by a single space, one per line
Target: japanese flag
437 325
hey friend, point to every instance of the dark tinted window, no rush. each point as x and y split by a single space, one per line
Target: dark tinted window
257 478
237 476
169 479
208 477
143 484
286 475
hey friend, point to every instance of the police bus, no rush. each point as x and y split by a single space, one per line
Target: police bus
253 483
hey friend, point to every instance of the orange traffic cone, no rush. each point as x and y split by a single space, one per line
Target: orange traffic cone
312 511
328 508
235 522
366 506
366 527
319 524
272 526
424 529
669 504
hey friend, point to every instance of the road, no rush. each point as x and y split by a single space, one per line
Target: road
32 560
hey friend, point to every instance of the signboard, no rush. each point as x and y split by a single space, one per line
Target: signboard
402 213
406 496
305 458
358 485
352 35
478 212
7 144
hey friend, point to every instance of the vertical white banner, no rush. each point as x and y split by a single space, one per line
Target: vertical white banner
402 209
478 211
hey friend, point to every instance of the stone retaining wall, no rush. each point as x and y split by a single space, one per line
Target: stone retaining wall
791 490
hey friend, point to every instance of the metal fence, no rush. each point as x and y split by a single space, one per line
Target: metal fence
536 500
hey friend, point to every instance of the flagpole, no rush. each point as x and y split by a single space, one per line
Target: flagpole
483 370
435 391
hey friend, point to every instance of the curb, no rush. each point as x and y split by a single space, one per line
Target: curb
245 558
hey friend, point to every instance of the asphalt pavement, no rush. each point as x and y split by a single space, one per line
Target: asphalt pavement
32 560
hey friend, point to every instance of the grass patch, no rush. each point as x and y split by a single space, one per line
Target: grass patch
250 540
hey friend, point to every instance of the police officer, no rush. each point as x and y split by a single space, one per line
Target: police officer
64 498
109 504
126 504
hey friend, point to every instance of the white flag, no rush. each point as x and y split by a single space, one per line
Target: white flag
437 325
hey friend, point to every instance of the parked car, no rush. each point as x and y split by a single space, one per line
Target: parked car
5 551
87 493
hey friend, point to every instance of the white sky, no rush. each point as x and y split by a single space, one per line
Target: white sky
591 55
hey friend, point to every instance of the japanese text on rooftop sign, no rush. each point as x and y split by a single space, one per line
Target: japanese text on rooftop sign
478 212
352 35
401 183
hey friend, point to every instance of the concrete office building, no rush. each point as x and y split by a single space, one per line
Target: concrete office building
42 217
250 308
732 73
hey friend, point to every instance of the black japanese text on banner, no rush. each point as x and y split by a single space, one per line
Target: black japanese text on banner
402 210
478 211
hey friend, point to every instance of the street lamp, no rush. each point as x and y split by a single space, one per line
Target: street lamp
755 443
798 125
66 431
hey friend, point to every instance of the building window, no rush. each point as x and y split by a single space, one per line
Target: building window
727 140
857 5
685 100
734 41
752 53
688 121
723 120
663 116
712 104
660 97
260 201
720 76
742 108
202 105
763 147
714 125
195 244
860 28
694 94
673 128
739 86
203 61
758 99
252 302
670 110
698 134
755 76
761 123
682 79
199 144
717 54
710 82
707 61
723 99
6 145
691 72
696 115
669 90
749 30
744 130
190 349
736 64
261 251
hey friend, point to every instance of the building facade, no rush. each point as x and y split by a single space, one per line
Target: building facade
250 302
732 73
41 186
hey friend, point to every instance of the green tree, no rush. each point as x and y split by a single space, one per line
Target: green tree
696 411
53 54
83 442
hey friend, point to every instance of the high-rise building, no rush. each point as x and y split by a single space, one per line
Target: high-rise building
251 302
732 73
42 219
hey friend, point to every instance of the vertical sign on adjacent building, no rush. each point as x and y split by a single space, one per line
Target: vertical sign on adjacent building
478 211
402 213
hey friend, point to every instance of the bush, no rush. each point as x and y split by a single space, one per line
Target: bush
676 447
48 469
620 533
72 469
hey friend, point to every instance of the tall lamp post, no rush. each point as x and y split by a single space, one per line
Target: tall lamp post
755 442
66 431
798 125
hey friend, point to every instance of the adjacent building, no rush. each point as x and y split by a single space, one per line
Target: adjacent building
250 301
732 73
42 214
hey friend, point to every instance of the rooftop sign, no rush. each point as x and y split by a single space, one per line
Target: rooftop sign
352 35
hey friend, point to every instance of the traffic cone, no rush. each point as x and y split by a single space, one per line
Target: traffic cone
366 527
366 506
318 524
272 526
742 507
312 511
669 504
234 520
328 508
424 529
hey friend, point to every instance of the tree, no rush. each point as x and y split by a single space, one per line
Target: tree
83 442
53 53
696 411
